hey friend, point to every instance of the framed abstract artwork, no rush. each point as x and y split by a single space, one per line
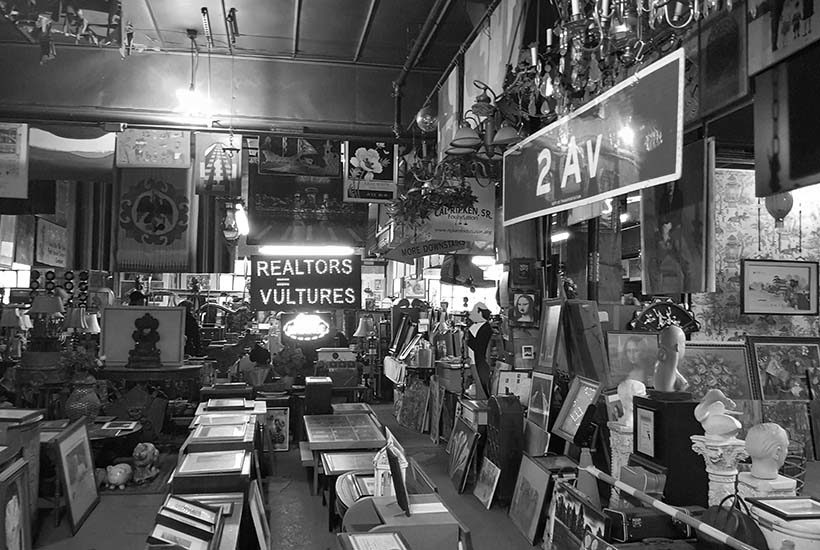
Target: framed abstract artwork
632 354
538 411
582 393
775 287
785 366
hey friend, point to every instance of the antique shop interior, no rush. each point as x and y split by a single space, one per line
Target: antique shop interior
409 275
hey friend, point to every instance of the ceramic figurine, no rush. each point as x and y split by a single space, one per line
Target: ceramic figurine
627 390
145 457
714 412
671 349
118 476
767 445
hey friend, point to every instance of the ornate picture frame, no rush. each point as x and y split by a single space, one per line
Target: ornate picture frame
778 287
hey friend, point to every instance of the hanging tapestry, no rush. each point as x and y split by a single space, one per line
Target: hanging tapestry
156 225
218 164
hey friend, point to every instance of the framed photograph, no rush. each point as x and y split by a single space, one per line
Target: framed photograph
529 497
551 320
774 287
784 365
525 309
528 352
487 481
119 425
522 272
118 327
14 507
261 523
574 511
582 393
790 508
191 508
632 354
538 411
76 469
462 447
278 425
722 365
645 431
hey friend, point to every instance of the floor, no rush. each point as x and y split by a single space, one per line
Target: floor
298 519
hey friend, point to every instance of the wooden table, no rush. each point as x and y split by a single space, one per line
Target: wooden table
336 463
340 432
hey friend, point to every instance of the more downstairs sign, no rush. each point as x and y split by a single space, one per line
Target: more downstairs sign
628 138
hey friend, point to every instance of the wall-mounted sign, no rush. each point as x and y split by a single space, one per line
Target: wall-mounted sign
409 250
476 223
287 283
13 161
628 138
52 244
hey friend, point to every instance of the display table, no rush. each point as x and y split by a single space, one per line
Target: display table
338 463
335 432
122 377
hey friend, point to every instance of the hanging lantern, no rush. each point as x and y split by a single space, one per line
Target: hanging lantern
779 207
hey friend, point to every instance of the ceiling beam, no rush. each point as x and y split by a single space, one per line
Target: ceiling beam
374 4
297 16
154 22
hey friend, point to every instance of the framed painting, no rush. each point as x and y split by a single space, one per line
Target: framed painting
538 411
775 287
14 507
785 365
118 326
278 424
721 365
76 470
576 520
371 171
261 522
582 393
632 354
551 320
8 235
462 447
299 156
522 272
487 481
529 497
525 309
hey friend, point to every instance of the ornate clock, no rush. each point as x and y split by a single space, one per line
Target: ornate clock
663 313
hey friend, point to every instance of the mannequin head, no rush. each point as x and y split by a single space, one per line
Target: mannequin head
671 348
480 313
767 445
627 390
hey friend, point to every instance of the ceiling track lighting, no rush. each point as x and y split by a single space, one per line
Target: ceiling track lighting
206 28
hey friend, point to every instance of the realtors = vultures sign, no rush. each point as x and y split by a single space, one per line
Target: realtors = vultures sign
286 283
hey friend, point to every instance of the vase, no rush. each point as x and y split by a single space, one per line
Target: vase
83 401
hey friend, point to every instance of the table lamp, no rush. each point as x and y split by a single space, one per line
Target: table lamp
46 314
363 331
93 323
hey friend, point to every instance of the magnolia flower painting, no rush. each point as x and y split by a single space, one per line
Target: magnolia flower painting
371 171
366 163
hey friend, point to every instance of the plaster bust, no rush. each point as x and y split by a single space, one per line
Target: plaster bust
714 412
627 390
671 349
767 445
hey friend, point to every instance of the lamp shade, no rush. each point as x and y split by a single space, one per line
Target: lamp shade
506 135
466 136
46 304
363 330
75 319
93 323
10 318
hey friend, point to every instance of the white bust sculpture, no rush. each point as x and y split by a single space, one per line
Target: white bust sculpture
714 412
627 390
767 445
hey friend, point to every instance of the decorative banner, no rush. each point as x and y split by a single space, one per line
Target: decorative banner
304 210
218 164
371 171
287 283
298 156
155 233
154 149
52 244
626 139
469 224
13 161
410 249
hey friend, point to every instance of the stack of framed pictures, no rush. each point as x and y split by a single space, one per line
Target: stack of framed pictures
221 437
229 404
536 426
213 471
187 523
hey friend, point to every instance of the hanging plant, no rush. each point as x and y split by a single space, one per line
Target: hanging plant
419 203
